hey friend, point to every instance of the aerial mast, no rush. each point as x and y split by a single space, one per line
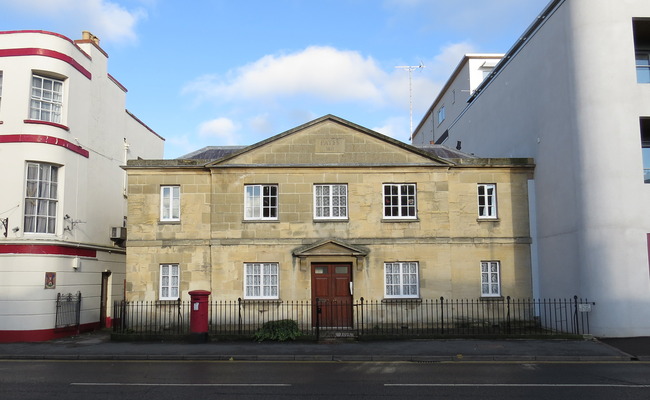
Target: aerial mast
410 69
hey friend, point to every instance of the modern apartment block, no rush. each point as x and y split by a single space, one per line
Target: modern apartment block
574 94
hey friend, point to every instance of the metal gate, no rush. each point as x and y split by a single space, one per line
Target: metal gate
68 310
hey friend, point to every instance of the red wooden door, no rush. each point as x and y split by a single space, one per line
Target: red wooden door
331 289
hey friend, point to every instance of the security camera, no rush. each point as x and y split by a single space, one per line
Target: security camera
16 229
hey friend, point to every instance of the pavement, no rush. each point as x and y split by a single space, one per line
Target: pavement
98 346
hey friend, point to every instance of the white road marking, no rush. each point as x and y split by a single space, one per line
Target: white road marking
178 384
518 385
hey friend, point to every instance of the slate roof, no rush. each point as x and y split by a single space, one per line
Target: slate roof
211 153
445 152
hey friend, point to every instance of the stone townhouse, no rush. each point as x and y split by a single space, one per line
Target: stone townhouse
331 210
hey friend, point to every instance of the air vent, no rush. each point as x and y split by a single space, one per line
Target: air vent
118 233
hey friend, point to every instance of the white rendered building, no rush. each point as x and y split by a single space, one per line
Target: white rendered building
64 134
451 101
574 94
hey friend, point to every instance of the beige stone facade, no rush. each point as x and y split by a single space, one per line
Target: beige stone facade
444 238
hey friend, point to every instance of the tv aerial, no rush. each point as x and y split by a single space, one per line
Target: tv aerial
410 69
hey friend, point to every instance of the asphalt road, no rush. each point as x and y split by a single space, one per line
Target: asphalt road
323 380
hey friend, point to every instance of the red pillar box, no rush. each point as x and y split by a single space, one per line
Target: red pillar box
199 316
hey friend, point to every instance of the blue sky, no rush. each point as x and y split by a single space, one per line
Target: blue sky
229 72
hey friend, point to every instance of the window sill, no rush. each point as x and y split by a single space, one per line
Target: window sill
35 121
491 298
176 222
488 220
334 220
258 221
261 301
400 220
402 300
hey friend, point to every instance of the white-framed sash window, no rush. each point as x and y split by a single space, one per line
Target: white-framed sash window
330 201
401 280
487 200
490 279
261 281
400 201
170 203
261 202
169 282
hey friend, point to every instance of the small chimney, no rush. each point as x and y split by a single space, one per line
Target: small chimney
85 35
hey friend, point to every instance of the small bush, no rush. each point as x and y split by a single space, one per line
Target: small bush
285 329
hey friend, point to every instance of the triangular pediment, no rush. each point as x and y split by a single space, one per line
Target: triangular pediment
329 141
330 247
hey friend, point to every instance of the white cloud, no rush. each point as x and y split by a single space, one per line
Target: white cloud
261 123
325 73
222 129
395 127
281 91
106 19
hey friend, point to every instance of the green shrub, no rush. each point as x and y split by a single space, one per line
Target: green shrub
285 329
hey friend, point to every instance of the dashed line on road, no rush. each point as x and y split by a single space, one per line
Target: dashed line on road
180 384
516 385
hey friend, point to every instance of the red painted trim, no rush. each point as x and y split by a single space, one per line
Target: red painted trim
49 33
44 139
42 335
46 53
117 83
49 249
36 121
37 31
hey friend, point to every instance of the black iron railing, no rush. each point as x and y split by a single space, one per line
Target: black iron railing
381 318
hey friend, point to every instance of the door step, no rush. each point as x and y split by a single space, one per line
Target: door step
331 335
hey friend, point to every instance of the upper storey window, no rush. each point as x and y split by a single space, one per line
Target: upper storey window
487 200
261 202
46 99
0 88
400 200
643 67
645 148
441 115
41 198
170 203
330 201
642 49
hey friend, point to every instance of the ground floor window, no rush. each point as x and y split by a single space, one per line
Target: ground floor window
401 279
169 281
261 281
490 279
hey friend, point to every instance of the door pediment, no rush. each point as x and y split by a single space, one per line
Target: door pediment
330 247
